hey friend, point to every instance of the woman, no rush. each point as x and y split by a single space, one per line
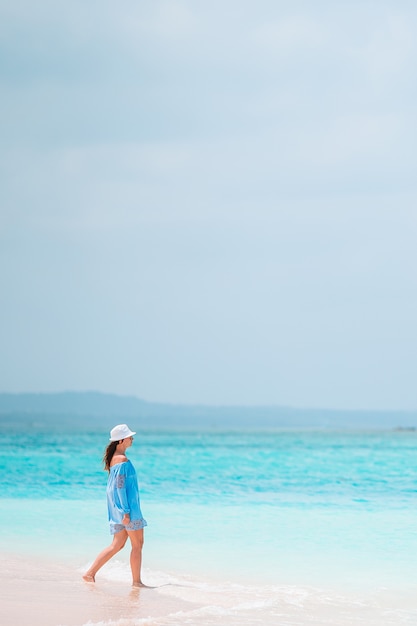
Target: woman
123 505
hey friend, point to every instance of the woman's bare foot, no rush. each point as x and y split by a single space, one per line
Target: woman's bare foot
89 578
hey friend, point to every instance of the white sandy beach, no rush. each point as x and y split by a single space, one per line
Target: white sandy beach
42 593
46 594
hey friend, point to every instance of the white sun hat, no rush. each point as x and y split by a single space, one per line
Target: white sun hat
121 431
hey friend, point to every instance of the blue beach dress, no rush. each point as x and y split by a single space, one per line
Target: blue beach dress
123 497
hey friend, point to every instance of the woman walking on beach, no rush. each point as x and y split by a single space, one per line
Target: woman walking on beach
123 505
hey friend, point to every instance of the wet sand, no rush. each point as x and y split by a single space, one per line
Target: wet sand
38 592
41 593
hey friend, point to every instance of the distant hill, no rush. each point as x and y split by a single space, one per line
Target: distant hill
101 411
70 402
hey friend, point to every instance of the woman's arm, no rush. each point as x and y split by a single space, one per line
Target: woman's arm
120 485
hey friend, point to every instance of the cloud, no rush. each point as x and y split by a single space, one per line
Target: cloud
390 50
291 35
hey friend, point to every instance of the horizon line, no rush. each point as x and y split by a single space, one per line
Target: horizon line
201 404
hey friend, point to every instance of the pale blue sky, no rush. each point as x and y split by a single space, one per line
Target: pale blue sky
210 202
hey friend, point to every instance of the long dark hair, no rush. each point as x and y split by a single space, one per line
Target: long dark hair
108 454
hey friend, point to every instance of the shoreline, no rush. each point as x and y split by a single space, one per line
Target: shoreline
323 549
42 592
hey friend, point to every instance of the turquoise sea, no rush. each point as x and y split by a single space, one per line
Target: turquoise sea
273 527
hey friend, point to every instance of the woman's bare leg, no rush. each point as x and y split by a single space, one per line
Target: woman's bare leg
136 539
119 540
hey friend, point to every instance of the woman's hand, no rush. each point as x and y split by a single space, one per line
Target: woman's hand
126 519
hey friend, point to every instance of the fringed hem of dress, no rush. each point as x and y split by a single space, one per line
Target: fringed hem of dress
135 524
